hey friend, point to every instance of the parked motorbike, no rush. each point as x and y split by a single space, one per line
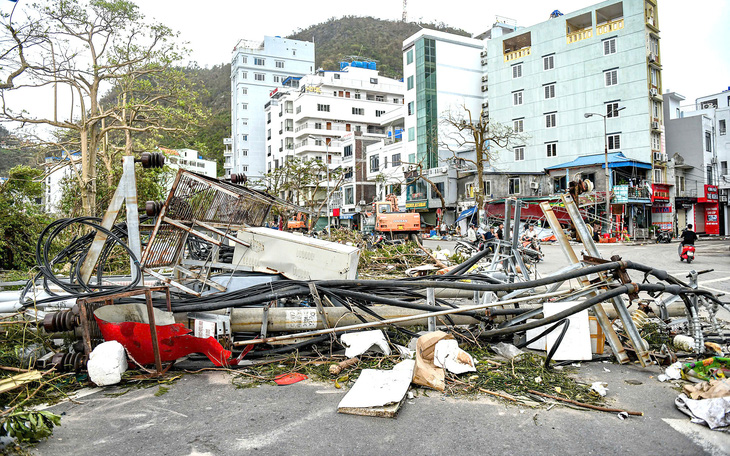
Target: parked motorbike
466 248
687 253
664 236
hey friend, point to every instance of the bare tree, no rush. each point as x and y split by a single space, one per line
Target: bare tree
465 132
84 48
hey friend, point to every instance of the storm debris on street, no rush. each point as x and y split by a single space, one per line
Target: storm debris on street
375 317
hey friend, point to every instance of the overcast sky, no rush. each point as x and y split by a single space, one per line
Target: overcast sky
694 35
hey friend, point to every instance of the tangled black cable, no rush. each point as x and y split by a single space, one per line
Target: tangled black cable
75 254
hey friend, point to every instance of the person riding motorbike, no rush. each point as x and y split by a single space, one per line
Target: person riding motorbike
688 238
531 235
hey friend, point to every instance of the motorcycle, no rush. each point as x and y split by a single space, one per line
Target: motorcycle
466 248
687 253
664 236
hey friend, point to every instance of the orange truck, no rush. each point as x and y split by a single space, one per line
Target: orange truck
298 222
394 224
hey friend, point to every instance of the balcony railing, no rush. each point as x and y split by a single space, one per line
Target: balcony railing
579 35
518 54
639 193
610 26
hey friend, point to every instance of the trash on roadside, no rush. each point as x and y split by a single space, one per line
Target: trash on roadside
506 351
426 373
708 390
357 343
107 362
379 392
599 388
707 369
714 413
289 379
455 360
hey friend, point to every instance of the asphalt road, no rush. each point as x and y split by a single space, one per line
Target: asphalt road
204 414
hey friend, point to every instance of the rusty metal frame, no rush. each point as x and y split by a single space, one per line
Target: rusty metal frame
90 330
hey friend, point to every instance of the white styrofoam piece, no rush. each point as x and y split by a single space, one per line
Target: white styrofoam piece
107 363
376 388
576 344
448 355
539 344
294 256
357 343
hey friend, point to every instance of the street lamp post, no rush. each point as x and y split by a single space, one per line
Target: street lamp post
605 156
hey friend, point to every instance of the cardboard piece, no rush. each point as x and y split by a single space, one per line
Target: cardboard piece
357 343
426 373
379 392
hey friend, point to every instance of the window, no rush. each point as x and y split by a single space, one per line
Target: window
548 62
373 80
244 121
244 137
679 182
409 83
551 149
357 95
487 187
550 90
396 100
514 186
244 152
379 113
244 59
559 184
244 91
279 64
438 190
268 117
385 162
409 57
323 107
244 75
244 168
411 109
299 109
317 142
259 61
722 126
611 77
411 134
609 46
612 109
318 125
347 151
517 71
550 120
658 175
709 176
244 105
614 142
358 111
517 98
708 142
259 76
277 78
656 141
268 134
723 168
395 160
349 196
519 153
518 125
374 163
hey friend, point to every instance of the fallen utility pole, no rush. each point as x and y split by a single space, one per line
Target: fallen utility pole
401 319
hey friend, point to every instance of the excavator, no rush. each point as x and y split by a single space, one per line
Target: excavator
298 222
393 224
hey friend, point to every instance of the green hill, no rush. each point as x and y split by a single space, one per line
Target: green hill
365 37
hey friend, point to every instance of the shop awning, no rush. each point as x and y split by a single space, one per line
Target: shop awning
466 213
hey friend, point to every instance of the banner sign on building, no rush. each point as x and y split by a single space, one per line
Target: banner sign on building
417 205
660 192
661 209
712 220
711 195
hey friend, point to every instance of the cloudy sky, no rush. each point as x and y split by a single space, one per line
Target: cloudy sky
694 44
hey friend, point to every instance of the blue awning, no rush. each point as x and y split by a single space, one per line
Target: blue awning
466 213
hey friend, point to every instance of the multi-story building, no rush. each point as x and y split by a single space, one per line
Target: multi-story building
443 77
257 68
189 159
699 155
332 116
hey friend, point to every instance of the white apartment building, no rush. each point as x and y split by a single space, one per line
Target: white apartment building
57 171
257 68
443 75
331 116
190 160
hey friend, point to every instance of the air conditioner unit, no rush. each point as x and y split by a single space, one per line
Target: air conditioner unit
483 53
655 125
653 92
484 61
707 106
534 185
485 78
652 57
444 169
658 156
665 157
485 105
485 88
713 161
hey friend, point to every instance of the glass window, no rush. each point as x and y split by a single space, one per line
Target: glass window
279 64
550 91
411 108
548 62
409 57
358 111
347 151
551 149
517 71
519 153
722 126
550 120
411 134
614 142
514 186
517 98
609 46
395 159
611 77
374 163
323 107
518 125
259 76
612 110
708 141
259 61
409 83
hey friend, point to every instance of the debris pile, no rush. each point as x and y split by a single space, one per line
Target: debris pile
376 316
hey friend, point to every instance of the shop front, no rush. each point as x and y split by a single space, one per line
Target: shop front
684 212
707 213
661 207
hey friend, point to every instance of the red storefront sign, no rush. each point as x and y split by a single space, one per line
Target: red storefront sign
664 209
712 220
660 192
711 195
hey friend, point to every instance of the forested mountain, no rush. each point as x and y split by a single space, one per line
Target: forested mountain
366 38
